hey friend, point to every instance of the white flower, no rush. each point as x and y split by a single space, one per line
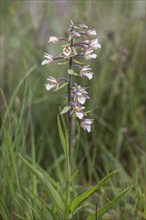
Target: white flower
52 83
94 44
78 111
86 124
67 51
80 94
91 33
53 40
88 54
48 60
85 71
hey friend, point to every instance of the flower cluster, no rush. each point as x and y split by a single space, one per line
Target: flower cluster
77 95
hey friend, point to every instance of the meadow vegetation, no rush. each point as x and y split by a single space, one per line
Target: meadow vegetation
29 130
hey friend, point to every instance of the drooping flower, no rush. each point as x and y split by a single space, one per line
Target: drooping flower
78 111
88 54
75 34
91 33
48 60
94 44
67 51
86 71
53 83
80 94
86 124
53 40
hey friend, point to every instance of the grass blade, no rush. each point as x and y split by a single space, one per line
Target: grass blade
45 181
109 204
85 195
61 135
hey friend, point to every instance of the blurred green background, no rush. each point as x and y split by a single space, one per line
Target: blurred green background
29 112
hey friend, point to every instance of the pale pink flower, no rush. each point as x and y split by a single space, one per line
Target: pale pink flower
86 124
78 111
88 54
48 60
52 83
80 94
67 51
53 40
85 71
94 44
91 33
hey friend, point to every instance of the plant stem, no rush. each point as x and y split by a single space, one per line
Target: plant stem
68 176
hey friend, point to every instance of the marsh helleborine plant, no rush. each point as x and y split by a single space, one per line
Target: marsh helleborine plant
77 95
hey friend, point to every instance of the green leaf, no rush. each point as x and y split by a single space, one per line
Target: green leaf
109 204
65 109
54 195
64 84
85 195
77 62
61 135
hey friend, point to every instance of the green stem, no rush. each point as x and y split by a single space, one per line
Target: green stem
69 145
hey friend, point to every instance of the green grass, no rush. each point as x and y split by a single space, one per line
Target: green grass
29 113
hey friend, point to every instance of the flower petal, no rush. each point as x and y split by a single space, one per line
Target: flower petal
44 62
49 86
80 115
81 99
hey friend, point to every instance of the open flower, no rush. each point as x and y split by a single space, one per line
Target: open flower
52 83
78 111
86 124
48 60
67 51
91 33
80 94
85 71
88 54
53 40
94 44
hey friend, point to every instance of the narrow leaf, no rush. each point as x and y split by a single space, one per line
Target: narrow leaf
109 204
60 87
44 180
75 61
65 109
61 135
85 195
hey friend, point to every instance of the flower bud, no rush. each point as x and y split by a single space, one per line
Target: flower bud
91 33
75 34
